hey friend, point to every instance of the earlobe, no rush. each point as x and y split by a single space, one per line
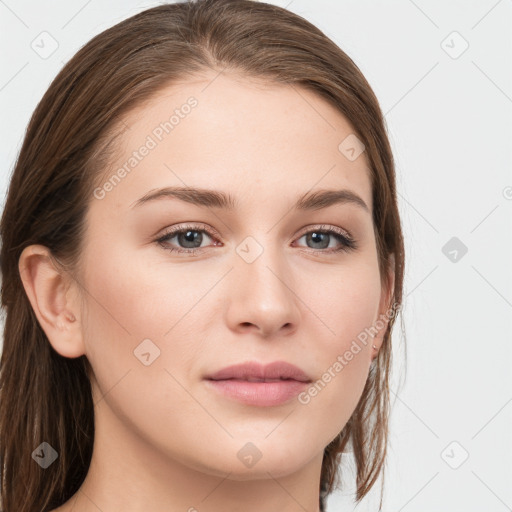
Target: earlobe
46 287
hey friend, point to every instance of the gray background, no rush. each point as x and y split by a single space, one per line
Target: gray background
449 116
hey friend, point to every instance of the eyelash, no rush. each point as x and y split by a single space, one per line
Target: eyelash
347 242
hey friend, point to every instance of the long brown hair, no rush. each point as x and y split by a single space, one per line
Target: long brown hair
69 142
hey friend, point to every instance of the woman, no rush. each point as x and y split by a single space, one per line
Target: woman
202 260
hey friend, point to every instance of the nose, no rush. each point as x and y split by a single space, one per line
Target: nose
261 297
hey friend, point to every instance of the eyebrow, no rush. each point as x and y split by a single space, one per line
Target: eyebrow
217 199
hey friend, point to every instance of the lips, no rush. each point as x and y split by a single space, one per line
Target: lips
260 385
256 372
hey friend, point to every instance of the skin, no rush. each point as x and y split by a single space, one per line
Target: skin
164 440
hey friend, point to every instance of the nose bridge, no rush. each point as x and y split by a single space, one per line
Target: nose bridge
261 260
263 293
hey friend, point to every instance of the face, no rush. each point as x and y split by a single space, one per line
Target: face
263 278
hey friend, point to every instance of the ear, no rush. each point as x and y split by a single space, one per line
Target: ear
48 289
385 310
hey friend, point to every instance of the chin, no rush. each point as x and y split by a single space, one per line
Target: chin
279 463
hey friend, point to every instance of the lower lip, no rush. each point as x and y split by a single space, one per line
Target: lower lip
262 394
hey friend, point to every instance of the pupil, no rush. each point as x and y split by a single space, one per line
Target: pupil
189 237
323 243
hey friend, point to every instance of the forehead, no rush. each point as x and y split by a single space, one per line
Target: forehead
230 132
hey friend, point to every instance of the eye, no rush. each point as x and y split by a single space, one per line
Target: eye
191 236
321 239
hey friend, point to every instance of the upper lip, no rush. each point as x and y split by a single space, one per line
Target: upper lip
259 372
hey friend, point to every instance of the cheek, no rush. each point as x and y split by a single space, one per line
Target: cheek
345 300
130 300
126 295
120 311
347 307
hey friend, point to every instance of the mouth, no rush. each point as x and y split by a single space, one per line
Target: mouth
257 379
258 385
256 372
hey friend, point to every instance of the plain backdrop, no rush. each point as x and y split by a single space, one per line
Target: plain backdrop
442 73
